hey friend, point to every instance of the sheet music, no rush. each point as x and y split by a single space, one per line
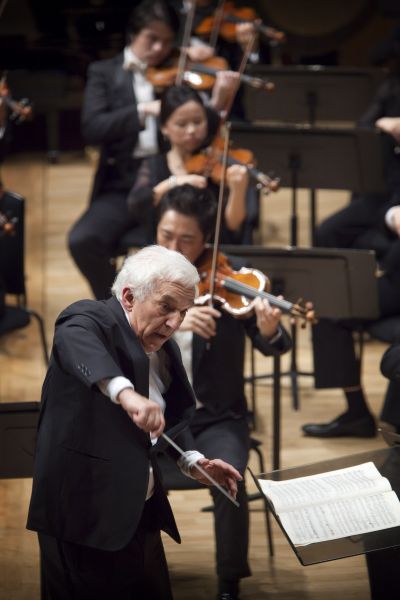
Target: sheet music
333 505
341 518
364 478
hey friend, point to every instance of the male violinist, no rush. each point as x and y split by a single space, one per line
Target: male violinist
212 344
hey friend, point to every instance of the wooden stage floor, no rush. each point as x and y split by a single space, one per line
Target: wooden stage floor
55 196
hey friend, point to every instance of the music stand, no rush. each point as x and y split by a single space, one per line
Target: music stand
316 93
18 425
315 157
387 461
341 283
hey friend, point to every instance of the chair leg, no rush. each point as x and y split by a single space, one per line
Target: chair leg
42 335
266 505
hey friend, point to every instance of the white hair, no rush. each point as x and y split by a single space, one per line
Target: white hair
144 271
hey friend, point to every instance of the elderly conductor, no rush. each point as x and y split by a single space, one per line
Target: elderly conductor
115 381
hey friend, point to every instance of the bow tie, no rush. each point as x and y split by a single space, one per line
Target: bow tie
135 67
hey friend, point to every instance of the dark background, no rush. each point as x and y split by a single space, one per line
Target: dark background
45 49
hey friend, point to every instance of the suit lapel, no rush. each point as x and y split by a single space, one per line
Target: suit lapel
123 80
139 360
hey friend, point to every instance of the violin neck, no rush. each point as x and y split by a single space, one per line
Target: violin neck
255 82
242 289
255 173
203 69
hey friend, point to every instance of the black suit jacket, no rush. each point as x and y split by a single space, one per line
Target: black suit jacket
390 363
218 379
92 462
110 120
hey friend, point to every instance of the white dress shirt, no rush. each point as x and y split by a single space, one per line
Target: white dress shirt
144 92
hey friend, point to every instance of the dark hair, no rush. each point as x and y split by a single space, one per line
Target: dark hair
176 96
147 12
191 201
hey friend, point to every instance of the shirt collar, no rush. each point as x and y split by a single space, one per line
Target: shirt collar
131 61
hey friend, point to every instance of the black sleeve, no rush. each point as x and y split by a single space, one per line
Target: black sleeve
100 122
390 363
278 346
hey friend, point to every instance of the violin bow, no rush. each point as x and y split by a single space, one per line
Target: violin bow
219 15
185 43
219 214
223 173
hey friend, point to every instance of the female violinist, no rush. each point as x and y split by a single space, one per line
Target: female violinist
188 125
186 221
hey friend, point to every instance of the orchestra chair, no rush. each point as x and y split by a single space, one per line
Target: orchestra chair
18 314
174 479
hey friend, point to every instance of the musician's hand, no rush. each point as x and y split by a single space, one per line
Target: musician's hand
162 188
201 320
237 177
198 181
395 219
225 86
268 317
390 125
151 109
199 53
145 413
222 472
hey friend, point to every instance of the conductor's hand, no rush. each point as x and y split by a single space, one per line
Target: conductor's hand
201 320
145 413
268 317
222 472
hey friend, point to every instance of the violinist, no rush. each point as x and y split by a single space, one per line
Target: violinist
229 43
231 47
119 115
336 363
212 344
188 125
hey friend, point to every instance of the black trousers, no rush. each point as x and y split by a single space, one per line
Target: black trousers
229 439
137 572
94 238
383 570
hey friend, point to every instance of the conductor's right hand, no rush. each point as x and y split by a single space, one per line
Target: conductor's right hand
145 413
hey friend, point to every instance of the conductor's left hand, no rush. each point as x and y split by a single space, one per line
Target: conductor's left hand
222 472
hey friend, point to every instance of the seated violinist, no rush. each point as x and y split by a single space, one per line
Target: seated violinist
119 113
188 125
232 37
212 344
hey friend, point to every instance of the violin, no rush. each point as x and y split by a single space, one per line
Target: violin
201 75
236 291
232 16
208 163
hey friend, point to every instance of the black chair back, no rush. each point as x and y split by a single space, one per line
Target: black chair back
12 270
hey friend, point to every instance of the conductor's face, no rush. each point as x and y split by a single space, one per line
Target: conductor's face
157 317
